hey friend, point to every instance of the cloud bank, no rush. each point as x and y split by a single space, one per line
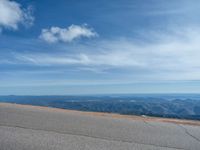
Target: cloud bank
12 14
57 34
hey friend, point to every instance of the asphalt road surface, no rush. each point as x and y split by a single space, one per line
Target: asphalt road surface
37 128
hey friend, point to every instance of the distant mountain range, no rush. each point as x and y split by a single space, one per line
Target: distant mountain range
183 106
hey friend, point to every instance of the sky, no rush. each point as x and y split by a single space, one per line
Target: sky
51 47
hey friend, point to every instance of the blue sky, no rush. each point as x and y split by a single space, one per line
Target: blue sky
50 47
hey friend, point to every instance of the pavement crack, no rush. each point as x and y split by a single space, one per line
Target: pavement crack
148 124
188 133
91 136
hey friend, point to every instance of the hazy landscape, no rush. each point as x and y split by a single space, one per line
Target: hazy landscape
99 74
184 106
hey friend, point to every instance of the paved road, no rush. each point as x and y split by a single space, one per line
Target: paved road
36 128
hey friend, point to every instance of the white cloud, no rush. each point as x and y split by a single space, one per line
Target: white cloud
56 34
171 56
12 14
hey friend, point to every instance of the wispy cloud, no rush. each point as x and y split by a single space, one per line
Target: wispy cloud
57 34
174 53
12 14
